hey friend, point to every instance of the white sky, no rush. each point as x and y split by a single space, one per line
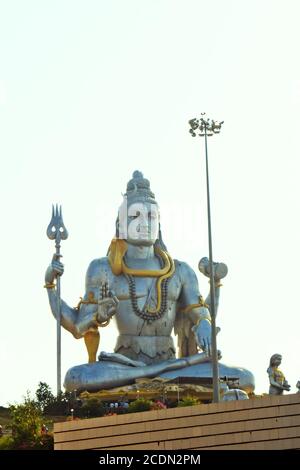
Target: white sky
91 91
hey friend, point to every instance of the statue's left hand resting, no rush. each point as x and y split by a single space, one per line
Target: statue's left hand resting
202 333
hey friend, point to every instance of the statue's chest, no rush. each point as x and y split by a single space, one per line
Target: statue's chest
144 287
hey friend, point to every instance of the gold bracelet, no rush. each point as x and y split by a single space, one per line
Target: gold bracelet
202 302
205 316
49 285
217 285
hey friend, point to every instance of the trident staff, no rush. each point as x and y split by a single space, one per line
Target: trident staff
206 127
57 231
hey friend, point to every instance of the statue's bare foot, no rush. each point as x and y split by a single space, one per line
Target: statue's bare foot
120 359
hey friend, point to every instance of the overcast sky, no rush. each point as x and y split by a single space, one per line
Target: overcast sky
91 91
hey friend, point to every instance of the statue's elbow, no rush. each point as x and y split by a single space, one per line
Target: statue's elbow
76 332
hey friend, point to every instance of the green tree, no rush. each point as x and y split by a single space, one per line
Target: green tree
6 443
51 404
60 405
26 424
92 407
44 396
188 401
141 404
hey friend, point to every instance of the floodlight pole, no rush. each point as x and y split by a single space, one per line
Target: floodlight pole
208 128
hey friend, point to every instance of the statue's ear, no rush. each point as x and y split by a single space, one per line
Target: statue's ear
160 240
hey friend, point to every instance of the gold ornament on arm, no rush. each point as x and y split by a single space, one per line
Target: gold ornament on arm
192 306
50 285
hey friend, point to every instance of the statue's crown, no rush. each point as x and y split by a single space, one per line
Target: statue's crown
138 188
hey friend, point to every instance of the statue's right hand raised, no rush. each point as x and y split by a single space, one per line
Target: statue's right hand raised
107 303
56 268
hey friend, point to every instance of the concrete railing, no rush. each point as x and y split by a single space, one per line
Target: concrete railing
270 422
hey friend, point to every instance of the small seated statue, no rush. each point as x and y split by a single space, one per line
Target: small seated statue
150 295
298 386
277 379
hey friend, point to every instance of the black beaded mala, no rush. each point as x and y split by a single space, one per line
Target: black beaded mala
144 313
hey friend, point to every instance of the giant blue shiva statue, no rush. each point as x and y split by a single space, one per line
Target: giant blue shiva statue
149 294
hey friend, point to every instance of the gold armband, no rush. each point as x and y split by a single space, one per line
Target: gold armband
90 300
49 285
103 323
192 306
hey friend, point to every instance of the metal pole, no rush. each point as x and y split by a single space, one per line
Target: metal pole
201 127
58 337
57 231
215 366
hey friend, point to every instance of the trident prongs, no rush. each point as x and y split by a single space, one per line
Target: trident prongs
56 229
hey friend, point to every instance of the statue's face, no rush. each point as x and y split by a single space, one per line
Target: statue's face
277 360
139 222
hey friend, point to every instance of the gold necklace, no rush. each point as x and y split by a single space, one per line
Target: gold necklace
150 272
